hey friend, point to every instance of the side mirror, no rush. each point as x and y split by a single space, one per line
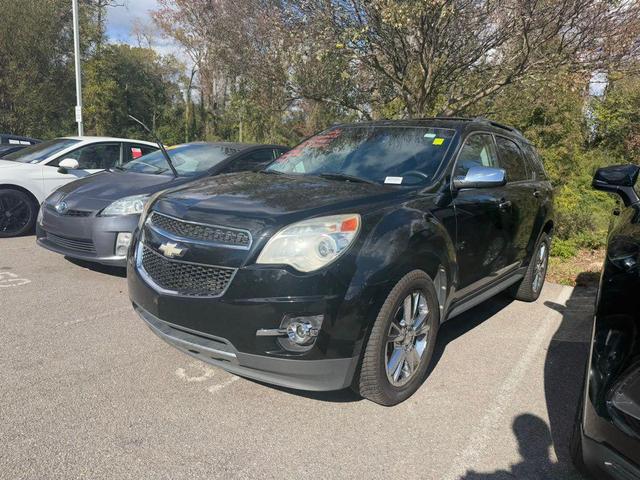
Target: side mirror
618 179
481 177
68 164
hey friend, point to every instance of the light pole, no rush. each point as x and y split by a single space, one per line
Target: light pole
76 48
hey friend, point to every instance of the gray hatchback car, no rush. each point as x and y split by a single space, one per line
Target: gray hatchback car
93 218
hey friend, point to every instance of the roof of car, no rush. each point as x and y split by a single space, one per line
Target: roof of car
237 145
445 122
89 138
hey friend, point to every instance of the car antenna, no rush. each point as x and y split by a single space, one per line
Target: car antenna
155 137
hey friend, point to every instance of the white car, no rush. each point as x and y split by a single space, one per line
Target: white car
29 175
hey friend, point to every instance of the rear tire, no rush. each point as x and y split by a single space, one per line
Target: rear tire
18 213
399 352
529 288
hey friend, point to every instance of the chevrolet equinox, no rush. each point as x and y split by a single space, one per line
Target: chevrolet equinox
336 264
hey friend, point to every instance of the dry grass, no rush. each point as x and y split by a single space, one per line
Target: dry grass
583 269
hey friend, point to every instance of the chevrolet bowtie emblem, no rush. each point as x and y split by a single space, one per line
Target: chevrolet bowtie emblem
171 250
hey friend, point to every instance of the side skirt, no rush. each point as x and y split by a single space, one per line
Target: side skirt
478 297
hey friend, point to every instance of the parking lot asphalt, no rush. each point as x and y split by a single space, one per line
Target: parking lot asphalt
87 391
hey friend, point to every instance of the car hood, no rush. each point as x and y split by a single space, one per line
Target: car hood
257 201
17 165
99 190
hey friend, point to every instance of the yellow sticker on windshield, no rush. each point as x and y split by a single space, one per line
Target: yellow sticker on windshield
438 141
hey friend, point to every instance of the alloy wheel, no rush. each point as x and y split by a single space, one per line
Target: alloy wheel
540 267
14 213
407 339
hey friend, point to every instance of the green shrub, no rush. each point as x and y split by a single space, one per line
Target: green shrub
563 248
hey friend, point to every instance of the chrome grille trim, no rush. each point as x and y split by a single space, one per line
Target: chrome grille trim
148 277
174 228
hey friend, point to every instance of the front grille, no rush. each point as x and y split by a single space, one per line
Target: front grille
184 278
224 236
70 213
84 246
77 213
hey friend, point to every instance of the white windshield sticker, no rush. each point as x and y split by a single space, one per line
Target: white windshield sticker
393 180
429 135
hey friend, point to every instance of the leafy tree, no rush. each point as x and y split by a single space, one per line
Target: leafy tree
37 93
617 117
122 80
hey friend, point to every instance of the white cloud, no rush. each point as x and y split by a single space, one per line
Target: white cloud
121 20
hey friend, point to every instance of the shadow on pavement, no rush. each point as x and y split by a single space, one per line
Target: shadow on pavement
565 366
448 332
534 443
99 268
564 370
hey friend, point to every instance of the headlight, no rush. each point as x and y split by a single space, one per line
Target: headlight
126 206
54 198
145 211
311 244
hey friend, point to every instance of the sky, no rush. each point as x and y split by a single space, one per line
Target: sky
120 22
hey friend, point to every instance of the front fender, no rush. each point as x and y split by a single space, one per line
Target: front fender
402 240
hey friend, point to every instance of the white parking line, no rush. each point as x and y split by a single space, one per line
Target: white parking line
216 388
93 317
10 279
202 373
482 435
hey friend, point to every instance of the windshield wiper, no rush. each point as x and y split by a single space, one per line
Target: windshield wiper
345 177
160 145
271 172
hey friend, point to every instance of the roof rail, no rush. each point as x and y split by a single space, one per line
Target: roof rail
499 125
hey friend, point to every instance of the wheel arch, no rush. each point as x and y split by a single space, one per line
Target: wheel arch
415 242
13 186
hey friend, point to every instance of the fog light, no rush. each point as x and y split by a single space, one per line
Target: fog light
122 243
301 332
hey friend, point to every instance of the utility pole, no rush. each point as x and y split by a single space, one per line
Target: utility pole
76 48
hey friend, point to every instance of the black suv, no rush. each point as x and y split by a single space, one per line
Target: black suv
336 264
606 440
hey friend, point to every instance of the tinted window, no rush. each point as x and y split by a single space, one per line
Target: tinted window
98 156
41 151
133 151
189 159
511 160
380 154
535 163
478 151
252 160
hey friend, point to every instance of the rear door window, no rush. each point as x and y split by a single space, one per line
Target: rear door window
512 160
133 151
478 151
252 160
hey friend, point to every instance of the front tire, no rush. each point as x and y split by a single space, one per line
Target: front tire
18 213
402 341
529 288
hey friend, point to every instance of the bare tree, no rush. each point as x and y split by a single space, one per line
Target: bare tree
446 55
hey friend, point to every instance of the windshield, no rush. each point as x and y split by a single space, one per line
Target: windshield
41 151
189 159
394 155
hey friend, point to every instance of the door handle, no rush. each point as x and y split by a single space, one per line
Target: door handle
504 204
536 193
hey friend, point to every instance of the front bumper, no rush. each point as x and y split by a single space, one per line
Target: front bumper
91 238
318 375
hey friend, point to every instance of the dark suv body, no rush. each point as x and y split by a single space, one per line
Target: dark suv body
606 439
336 264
